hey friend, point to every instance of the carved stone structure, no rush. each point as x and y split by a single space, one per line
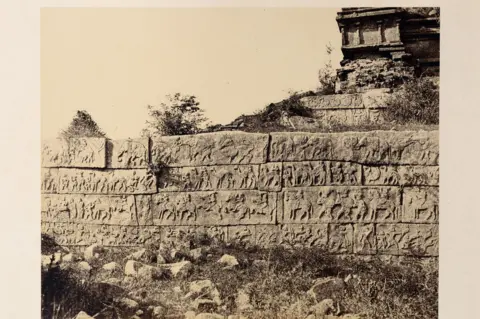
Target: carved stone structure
350 193
383 45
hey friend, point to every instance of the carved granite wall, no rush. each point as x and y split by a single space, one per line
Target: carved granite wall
351 193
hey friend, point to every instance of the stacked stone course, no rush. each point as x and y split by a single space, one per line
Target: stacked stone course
350 193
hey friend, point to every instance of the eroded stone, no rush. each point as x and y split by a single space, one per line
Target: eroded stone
214 208
333 101
407 239
340 238
364 239
75 152
310 235
341 204
210 148
129 153
401 175
420 205
320 173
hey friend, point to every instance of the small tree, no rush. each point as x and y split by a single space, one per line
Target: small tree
82 125
179 115
327 75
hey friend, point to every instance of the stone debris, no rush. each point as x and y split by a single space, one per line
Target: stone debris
228 260
93 252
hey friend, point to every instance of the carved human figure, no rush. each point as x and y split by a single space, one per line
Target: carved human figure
366 238
132 183
299 206
288 176
303 175
301 145
351 174
424 205
345 204
319 174
361 207
342 239
337 173
327 200
168 211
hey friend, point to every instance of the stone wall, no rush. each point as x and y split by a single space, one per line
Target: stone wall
351 193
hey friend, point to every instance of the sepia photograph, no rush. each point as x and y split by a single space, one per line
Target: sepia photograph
240 163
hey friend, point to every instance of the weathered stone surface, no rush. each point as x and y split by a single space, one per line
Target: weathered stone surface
107 235
407 239
241 234
143 206
50 180
340 238
93 209
420 205
129 153
75 152
214 208
210 148
270 177
375 98
205 178
364 239
349 116
320 173
266 235
310 235
401 175
76 181
333 101
375 147
341 204
175 234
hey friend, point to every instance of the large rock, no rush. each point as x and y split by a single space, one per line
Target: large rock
327 288
139 270
83 315
228 261
243 301
93 252
179 270
204 289
128 307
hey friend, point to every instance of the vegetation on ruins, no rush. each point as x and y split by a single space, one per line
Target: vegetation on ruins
82 125
277 281
416 102
327 75
178 115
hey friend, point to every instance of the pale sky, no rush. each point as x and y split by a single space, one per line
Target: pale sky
113 62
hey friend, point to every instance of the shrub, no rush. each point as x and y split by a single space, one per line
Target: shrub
82 125
291 106
179 115
327 75
417 101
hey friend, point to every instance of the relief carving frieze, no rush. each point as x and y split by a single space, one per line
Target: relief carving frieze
364 239
266 235
50 180
210 148
401 175
214 208
270 177
420 205
341 204
129 153
206 178
74 152
303 235
320 173
340 238
407 239
333 101
89 209
134 181
241 234
374 147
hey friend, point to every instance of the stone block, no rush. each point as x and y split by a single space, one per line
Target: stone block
320 173
270 177
340 204
241 234
340 238
75 152
266 235
50 180
214 208
143 206
83 181
207 178
420 205
401 175
89 209
374 147
210 149
364 239
305 235
129 153
407 239
333 101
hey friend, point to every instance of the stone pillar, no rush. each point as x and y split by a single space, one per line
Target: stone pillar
396 23
343 31
358 35
381 31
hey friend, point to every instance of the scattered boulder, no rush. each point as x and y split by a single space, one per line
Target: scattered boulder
84 266
113 266
93 252
139 270
204 305
83 315
161 259
158 312
243 301
326 288
179 270
190 315
324 307
209 316
204 288
228 260
127 307
69 258
198 254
